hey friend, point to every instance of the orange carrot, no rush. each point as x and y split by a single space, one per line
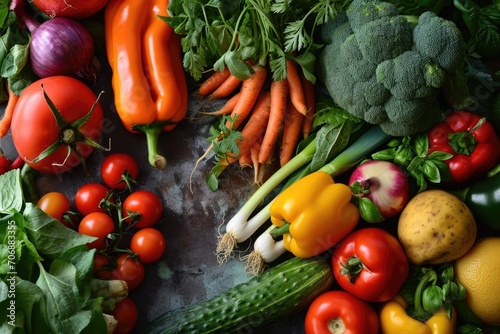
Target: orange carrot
249 91
256 124
254 156
295 87
310 99
245 160
213 82
279 97
8 112
292 131
226 109
226 88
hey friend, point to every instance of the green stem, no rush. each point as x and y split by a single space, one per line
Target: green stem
279 231
152 132
295 163
364 145
420 313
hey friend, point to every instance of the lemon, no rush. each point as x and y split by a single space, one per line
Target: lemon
478 271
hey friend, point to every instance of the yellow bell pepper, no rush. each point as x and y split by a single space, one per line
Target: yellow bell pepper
395 320
313 214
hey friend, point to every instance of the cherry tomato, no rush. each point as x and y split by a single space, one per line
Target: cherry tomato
70 8
99 225
129 270
89 196
340 310
55 204
119 168
370 264
34 132
127 315
149 243
101 266
145 203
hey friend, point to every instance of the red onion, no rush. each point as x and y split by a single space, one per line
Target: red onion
384 183
59 46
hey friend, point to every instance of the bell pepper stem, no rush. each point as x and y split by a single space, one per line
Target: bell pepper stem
152 132
277 231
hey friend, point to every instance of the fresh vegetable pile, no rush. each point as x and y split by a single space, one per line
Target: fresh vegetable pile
372 128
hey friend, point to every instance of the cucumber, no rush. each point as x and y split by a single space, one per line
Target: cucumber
284 289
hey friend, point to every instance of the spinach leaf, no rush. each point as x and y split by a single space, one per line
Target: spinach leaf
28 299
64 306
49 236
11 194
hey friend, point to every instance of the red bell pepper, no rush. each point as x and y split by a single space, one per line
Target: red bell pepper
472 142
340 312
370 263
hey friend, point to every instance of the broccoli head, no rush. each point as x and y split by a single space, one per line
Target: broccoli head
390 69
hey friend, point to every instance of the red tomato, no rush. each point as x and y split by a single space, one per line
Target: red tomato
370 264
130 271
149 244
127 315
99 225
339 309
34 127
101 264
89 196
147 204
76 9
119 168
55 204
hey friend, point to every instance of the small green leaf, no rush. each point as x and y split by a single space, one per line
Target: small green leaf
431 172
403 155
15 60
369 211
387 155
439 155
432 299
421 145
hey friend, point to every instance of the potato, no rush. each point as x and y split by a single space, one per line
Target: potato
436 227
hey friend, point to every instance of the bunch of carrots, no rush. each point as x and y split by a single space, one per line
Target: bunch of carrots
271 116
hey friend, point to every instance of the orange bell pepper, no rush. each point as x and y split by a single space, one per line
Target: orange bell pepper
148 79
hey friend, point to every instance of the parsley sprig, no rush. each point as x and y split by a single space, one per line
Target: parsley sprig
232 33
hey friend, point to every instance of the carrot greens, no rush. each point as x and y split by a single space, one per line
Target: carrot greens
228 33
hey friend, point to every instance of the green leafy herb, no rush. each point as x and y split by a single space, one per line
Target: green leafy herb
224 144
221 33
411 154
14 53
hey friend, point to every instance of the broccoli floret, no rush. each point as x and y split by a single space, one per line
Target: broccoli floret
338 28
410 75
411 116
385 38
390 69
440 40
361 12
